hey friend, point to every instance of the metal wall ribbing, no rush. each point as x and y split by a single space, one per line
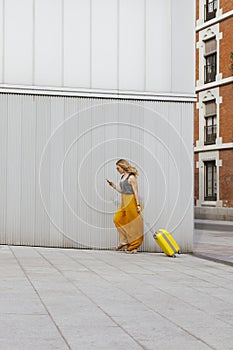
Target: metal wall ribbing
57 151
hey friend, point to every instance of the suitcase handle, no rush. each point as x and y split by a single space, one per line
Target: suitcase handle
155 234
147 225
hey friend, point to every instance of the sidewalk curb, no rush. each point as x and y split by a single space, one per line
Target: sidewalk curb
211 258
211 226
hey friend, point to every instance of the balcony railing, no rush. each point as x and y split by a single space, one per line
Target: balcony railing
210 134
210 73
210 10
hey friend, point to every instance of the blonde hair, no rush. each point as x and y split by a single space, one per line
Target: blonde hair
127 167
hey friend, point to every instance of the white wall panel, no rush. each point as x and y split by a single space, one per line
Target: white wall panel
13 169
42 180
174 165
138 45
77 43
2 19
104 44
69 173
3 167
28 170
183 46
59 151
158 45
18 41
131 45
48 42
57 155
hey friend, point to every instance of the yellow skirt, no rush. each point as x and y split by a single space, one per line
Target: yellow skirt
129 222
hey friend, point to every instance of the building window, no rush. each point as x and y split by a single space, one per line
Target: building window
211 60
210 181
210 122
210 9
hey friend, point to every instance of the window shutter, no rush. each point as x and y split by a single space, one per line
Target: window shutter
210 108
210 46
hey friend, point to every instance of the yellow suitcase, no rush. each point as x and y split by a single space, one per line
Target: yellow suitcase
167 243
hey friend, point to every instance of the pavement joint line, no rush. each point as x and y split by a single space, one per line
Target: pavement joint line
211 258
45 307
149 308
165 292
102 310
198 308
24 314
217 285
216 224
188 303
97 256
213 228
210 273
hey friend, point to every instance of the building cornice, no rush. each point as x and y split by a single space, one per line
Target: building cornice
214 147
214 84
96 93
215 20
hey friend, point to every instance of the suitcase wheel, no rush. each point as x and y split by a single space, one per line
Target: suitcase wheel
173 256
179 252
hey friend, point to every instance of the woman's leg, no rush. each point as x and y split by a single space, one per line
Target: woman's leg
135 244
120 221
134 226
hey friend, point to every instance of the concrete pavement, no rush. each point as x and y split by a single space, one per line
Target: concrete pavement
84 299
214 240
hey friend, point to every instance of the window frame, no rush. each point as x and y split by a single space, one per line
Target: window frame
210 165
210 67
208 15
210 138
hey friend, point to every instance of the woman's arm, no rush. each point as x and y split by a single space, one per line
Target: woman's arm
114 186
133 181
118 189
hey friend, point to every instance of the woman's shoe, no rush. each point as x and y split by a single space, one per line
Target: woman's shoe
121 246
133 251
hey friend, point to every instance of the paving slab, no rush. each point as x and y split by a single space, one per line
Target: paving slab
213 240
87 299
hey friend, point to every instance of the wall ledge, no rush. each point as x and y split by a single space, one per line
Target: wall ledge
97 93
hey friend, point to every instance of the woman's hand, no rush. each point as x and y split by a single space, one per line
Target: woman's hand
111 183
138 209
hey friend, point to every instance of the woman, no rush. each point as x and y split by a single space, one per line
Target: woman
127 218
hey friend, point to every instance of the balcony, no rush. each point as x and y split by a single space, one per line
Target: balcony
210 10
210 134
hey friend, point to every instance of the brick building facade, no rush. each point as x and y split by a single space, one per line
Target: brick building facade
213 120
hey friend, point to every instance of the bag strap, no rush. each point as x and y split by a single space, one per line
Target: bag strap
129 175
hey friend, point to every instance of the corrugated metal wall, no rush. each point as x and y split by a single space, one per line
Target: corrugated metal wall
57 151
